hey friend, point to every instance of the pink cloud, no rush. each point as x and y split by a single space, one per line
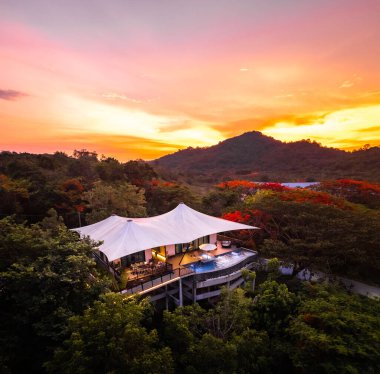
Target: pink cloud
188 67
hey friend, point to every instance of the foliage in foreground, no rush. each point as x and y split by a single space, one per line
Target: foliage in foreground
57 318
47 275
110 338
318 329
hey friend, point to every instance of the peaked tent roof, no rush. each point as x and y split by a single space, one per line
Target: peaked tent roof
123 236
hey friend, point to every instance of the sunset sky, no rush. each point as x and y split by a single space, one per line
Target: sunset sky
143 78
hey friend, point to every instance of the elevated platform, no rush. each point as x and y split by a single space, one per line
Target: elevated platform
185 286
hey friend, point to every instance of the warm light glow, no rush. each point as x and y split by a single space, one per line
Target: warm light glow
338 129
143 79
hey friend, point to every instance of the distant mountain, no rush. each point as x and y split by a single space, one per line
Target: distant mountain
255 156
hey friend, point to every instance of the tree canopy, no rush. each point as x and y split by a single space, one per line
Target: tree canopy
123 199
311 229
46 276
110 338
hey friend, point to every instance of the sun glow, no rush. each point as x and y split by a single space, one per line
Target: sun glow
136 84
337 129
85 117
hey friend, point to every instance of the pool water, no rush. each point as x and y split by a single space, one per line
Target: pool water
220 262
201 267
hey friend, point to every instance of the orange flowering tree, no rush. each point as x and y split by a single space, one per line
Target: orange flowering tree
257 218
359 192
313 229
303 195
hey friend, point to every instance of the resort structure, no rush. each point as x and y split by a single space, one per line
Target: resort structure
179 256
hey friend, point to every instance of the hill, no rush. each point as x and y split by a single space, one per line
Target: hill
255 156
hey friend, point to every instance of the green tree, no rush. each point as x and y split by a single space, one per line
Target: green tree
231 315
84 165
110 170
250 279
273 307
162 197
335 332
14 194
219 200
110 338
254 353
182 327
139 172
273 268
47 276
123 199
212 355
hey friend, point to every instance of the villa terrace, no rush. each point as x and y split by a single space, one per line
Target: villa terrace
179 263
176 264
220 266
177 255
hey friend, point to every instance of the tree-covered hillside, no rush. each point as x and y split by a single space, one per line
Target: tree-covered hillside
258 157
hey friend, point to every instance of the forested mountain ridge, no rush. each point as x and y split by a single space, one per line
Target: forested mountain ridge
259 157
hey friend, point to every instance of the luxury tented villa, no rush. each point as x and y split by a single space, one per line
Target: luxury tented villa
178 256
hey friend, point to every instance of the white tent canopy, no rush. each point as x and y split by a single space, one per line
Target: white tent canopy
123 236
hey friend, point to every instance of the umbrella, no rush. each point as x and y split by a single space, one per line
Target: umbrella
207 247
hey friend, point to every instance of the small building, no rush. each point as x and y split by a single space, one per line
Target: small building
178 254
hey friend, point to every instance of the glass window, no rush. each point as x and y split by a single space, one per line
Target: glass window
133 258
202 240
178 248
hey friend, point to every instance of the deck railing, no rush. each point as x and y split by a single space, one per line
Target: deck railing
146 283
150 281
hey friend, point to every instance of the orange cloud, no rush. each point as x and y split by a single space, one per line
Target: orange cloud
143 86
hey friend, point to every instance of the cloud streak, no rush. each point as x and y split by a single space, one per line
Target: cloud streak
11 95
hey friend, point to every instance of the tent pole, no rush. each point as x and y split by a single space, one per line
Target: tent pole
184 252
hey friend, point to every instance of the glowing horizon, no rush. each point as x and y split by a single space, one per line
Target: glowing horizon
143 79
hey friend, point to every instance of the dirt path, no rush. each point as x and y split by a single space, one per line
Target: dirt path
355 286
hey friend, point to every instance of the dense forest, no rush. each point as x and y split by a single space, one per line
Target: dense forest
255 156
59 316
83 188
60 313
334 228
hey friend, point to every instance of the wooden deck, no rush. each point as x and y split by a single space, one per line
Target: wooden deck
177 263
142 271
